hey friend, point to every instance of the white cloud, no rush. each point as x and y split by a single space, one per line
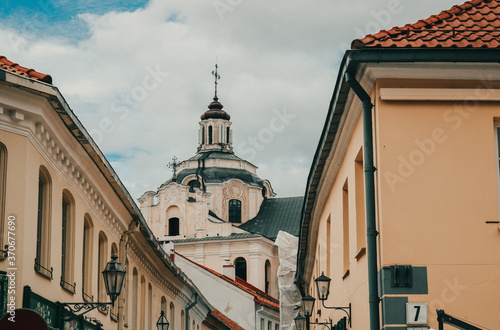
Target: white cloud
272 56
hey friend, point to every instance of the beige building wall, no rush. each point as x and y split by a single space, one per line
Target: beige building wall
437 184
34 137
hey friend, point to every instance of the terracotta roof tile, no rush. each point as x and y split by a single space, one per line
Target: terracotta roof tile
22 71
475 24
260 296
224 319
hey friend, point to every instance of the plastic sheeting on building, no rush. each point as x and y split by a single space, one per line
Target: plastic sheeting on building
290 298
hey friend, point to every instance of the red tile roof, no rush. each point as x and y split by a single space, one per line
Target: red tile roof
475 24
260 296
22 71
224 319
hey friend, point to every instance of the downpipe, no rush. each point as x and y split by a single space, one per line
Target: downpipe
371 227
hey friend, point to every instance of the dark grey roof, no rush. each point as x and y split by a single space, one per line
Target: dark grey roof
219 175
216 155
216 238
276 214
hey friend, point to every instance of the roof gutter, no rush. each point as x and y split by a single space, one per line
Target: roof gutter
327 143
188 308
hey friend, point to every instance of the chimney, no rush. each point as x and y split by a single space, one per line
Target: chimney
229 271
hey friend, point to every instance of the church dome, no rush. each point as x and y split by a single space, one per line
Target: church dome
215 111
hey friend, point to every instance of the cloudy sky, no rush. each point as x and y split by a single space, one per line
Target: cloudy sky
137 73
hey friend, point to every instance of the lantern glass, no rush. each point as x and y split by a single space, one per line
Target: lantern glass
162 323
114 275
308 305
300 322
323 286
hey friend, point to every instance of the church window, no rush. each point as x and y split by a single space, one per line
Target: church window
210 135
240 266
193 184
267 276
227 135
202 135
173 226
234 211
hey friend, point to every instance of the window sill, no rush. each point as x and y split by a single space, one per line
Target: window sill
106 312
360 253
346 274
44 272
68 287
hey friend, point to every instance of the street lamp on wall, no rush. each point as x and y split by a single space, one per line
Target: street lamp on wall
162 323
323 290
114 275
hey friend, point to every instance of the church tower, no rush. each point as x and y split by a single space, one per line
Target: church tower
212 209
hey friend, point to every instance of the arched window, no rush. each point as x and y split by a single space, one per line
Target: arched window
135 296
42 260
164 305
143 303
183 320
172 316
126 294
150 308
202 135
3 187
210 135
227 135
235 211
68 241
102 261
173 226
267 276
114 308
240 265
88 232
193 184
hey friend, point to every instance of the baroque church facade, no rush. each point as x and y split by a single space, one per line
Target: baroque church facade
216 211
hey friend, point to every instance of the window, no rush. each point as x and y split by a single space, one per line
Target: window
240 265
267 276
209 134
172 316
101 264
227 135
193 184
150 308
183 321
114 308
328 245
269 325
88 232
235 211
173 227
3 187
164 305
42 259
135 288
202 135
143 303
68 242
345 227
360 205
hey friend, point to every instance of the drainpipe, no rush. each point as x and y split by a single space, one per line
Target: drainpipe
371 227
188 308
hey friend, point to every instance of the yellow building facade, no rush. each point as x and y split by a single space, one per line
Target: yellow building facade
64 213
429 224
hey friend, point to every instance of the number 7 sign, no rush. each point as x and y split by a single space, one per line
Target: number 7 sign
416 313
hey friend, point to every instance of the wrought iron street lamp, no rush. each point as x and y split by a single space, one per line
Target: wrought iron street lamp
162 323
323 289
300 322
114 275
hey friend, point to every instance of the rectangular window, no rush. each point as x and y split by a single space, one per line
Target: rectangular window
345 226
360 205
